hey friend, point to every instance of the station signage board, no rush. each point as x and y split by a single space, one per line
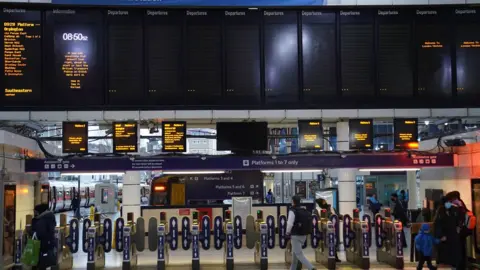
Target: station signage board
75 138
125 137
310 134
361 134
405 133
174 136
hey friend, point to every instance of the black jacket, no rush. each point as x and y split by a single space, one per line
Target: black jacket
446 226
43 226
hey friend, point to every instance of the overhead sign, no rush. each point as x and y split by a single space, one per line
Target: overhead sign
405 133
75 137
125 137
310 134
116 164
174 136
361 134
224 186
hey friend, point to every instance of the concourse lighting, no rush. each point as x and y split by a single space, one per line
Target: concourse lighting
290 171
193 172
94 173
389 169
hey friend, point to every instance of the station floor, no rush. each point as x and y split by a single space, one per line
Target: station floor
213 259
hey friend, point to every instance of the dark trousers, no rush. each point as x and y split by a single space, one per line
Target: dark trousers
422 261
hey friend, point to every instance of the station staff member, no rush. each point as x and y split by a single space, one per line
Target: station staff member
298 229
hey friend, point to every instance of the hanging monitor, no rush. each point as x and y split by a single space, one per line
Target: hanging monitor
310 134
405 133
125 137
361 134
174 136
75 138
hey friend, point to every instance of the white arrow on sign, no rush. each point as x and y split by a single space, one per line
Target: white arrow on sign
218 222
72 166
270 221
174 222
205 222
283 221
185 222
174 243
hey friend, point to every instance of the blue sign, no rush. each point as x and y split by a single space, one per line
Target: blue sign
331 245
195 248
263 241
229 241
73 237
173 233
366 246
238 232
119 234
196 3
368 220
186 233
217 233
206 232
271 231
282 231
126 244
346 230
378 230
399 243
107 234
315 235
161 244
91 245
18 251
224 186
87 223
105 164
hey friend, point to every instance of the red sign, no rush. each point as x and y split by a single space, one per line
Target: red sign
184 212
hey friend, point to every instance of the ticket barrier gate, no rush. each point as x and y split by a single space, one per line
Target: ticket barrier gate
325 252
388 239
257 239
356 239
66 243
97 239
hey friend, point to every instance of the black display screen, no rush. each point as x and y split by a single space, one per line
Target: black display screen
434 65
125 137
204 56
163 37
319 55
394 54
357 53
310 134
405 133
467 42
281 56
22 56
174 136
125 57
242 56
75 137
74 57
361 134
254 136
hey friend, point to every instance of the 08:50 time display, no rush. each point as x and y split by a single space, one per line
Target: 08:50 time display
74 37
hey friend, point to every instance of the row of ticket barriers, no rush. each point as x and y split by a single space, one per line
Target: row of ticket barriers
101 236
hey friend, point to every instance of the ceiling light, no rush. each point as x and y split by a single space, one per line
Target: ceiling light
193 172
389 169
290 171
93 173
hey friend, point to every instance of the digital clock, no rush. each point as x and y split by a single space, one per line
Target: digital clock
74 37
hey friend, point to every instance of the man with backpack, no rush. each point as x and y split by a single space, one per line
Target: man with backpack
299 225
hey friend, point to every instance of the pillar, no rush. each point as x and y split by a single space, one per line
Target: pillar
131 194
347 186
413 186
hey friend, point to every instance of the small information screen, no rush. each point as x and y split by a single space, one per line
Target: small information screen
310 134
361 134
174 136
125 137
75 137
405 133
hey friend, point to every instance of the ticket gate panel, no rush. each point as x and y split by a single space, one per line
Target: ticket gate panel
206 232
152 234
87 223
282 231
271 231
186 233
119 224
195 247
238 232
107 234
72 239
140 234
218 233
315 235
173 233
252 235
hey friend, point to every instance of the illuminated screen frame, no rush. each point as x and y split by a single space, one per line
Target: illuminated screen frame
114 139
184 138
65 142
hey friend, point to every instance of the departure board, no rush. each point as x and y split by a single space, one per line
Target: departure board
125 57
242 56
204 56
22 65
394 55
310 134
75 138
174 136
434 65
73 62
357 53
281 56
319 55
125 137
405 133
164 61
361 134
467 43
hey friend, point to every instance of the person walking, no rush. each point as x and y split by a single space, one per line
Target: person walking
43 227
424 242
299 225
400 214
374 204
445 224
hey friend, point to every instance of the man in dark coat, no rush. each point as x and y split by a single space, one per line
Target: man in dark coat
400 214
43 226
446 224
